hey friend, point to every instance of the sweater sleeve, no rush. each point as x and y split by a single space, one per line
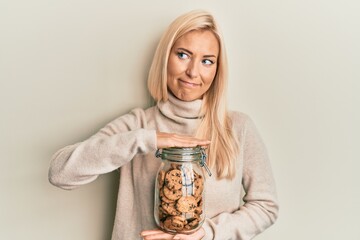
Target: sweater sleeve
110 148
260 208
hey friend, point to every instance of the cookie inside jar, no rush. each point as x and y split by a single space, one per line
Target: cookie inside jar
179 197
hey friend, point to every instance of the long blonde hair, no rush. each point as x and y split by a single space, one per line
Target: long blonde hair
216 124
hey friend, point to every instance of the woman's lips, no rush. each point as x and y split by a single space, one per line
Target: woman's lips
188 84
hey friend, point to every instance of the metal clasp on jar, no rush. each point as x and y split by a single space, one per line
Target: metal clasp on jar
203 161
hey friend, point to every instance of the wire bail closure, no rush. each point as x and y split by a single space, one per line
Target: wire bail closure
158 153
203 161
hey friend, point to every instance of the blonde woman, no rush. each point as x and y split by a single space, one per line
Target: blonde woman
187 80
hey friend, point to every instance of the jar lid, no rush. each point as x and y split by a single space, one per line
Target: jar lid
187 154
181 154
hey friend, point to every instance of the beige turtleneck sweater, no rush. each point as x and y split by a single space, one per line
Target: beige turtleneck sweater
236 209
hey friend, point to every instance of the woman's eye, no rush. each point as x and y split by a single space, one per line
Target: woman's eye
207 62
182 55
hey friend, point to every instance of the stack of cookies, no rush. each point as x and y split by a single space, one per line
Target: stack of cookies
180 198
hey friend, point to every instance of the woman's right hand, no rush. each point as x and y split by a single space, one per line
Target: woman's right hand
157 234
165 140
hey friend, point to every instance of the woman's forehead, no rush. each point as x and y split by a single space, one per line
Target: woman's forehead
202 41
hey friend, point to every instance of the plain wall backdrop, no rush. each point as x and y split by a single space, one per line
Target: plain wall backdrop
69 67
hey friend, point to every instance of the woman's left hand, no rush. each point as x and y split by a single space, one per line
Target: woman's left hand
160 235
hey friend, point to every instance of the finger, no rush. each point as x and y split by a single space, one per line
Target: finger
150 232
185 237
187 140
155 234
159 236
187 144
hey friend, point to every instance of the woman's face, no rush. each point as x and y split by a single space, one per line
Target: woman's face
192 64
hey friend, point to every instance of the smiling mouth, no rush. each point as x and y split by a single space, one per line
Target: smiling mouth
188 84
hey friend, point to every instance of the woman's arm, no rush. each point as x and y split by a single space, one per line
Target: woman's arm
110 148
113 146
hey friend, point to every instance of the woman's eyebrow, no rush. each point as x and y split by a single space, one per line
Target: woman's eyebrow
191 53
209 56
185 50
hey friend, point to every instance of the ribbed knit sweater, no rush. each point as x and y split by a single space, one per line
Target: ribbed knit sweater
235 209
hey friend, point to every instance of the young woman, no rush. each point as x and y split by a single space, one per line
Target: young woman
187 79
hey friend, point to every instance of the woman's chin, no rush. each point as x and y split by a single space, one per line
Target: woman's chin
186 97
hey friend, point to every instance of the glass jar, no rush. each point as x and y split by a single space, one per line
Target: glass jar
179 190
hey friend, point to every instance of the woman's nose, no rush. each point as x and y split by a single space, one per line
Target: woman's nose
192 70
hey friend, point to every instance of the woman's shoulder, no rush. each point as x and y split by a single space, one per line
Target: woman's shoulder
140 113
132 119
241 121
238 117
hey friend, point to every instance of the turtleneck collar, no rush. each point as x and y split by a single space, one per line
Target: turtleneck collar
176 109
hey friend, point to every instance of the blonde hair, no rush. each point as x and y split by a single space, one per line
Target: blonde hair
216 124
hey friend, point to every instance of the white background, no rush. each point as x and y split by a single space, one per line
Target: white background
69 67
